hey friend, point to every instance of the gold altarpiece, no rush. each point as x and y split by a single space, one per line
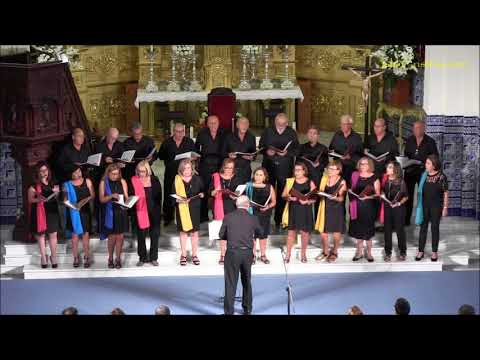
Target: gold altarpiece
107 74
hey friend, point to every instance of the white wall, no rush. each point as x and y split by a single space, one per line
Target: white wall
451 85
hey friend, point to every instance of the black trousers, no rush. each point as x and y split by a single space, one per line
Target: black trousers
154 232
238 261
411 179
394 219
432 215
168 208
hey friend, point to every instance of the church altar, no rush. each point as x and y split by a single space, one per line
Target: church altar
192 96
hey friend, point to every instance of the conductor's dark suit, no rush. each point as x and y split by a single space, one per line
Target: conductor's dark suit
239 229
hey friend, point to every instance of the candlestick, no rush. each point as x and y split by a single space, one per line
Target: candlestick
191 132
294 125
171 127
287 83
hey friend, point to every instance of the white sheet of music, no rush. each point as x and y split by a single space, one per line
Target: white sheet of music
214 229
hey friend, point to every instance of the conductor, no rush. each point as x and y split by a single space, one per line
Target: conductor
239 229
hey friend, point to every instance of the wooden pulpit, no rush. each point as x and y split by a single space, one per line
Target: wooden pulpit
221 102
39 106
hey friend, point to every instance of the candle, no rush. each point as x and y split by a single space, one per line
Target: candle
171 127
294 125
151 48
191 132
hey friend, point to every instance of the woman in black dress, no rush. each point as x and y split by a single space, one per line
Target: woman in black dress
187 212
224 203
115 217
147 211
331 215
395 190
432 205
298 213
79 222
44 216
363 211
260 192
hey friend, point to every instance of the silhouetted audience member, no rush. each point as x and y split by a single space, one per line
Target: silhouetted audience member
70 311
402 307
466 309
117 311
162 310
355 310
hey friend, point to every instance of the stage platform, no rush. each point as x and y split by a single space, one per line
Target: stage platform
458 249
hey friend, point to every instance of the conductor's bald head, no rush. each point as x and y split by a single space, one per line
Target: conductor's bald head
242 202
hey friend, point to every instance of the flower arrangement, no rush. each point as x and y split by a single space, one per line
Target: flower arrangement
57 53
203 115
251 49
238 115
183 50
398 58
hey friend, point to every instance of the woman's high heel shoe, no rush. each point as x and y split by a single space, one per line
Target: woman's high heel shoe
418 258
86 262
357 257
76 262
434 258
44 265
54 265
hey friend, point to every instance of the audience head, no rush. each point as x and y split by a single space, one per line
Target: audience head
70 311
117 311
334 167
112 135
243 124
228 167
260 175
346 123
355 310
312 134
300 170
402 306
394 168
365 164
78 136
281 121
42 172
143 169
432 163
77 173
213 123
466 309
162 310
179 131
185 168
242 202
137 131
379 126
113 172
418 128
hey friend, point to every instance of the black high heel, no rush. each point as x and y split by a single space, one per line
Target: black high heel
434 259
54 265
357 257
86 262
76 262
418 258
110 264
44 266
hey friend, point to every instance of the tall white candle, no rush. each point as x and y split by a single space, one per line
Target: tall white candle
151 48
171 127
294 125
191 132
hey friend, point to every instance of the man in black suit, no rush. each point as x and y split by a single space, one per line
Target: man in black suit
239 229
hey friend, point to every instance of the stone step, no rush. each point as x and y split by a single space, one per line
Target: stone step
276 267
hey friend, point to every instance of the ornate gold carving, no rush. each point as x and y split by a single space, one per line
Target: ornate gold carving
107 106
331 104
329 58
103 64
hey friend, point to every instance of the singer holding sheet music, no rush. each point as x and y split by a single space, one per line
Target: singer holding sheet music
189 187
363 210
347 143
143 146
298 213
331 212
224 203
111 149
261 193
44 216
115 218
171 147
395 190
417 147
241 140
71 155
209 146
147 211
381 142
79 222
278 161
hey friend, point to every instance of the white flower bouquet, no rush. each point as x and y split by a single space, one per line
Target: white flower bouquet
57 53
398 58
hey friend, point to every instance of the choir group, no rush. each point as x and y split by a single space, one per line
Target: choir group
304 187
